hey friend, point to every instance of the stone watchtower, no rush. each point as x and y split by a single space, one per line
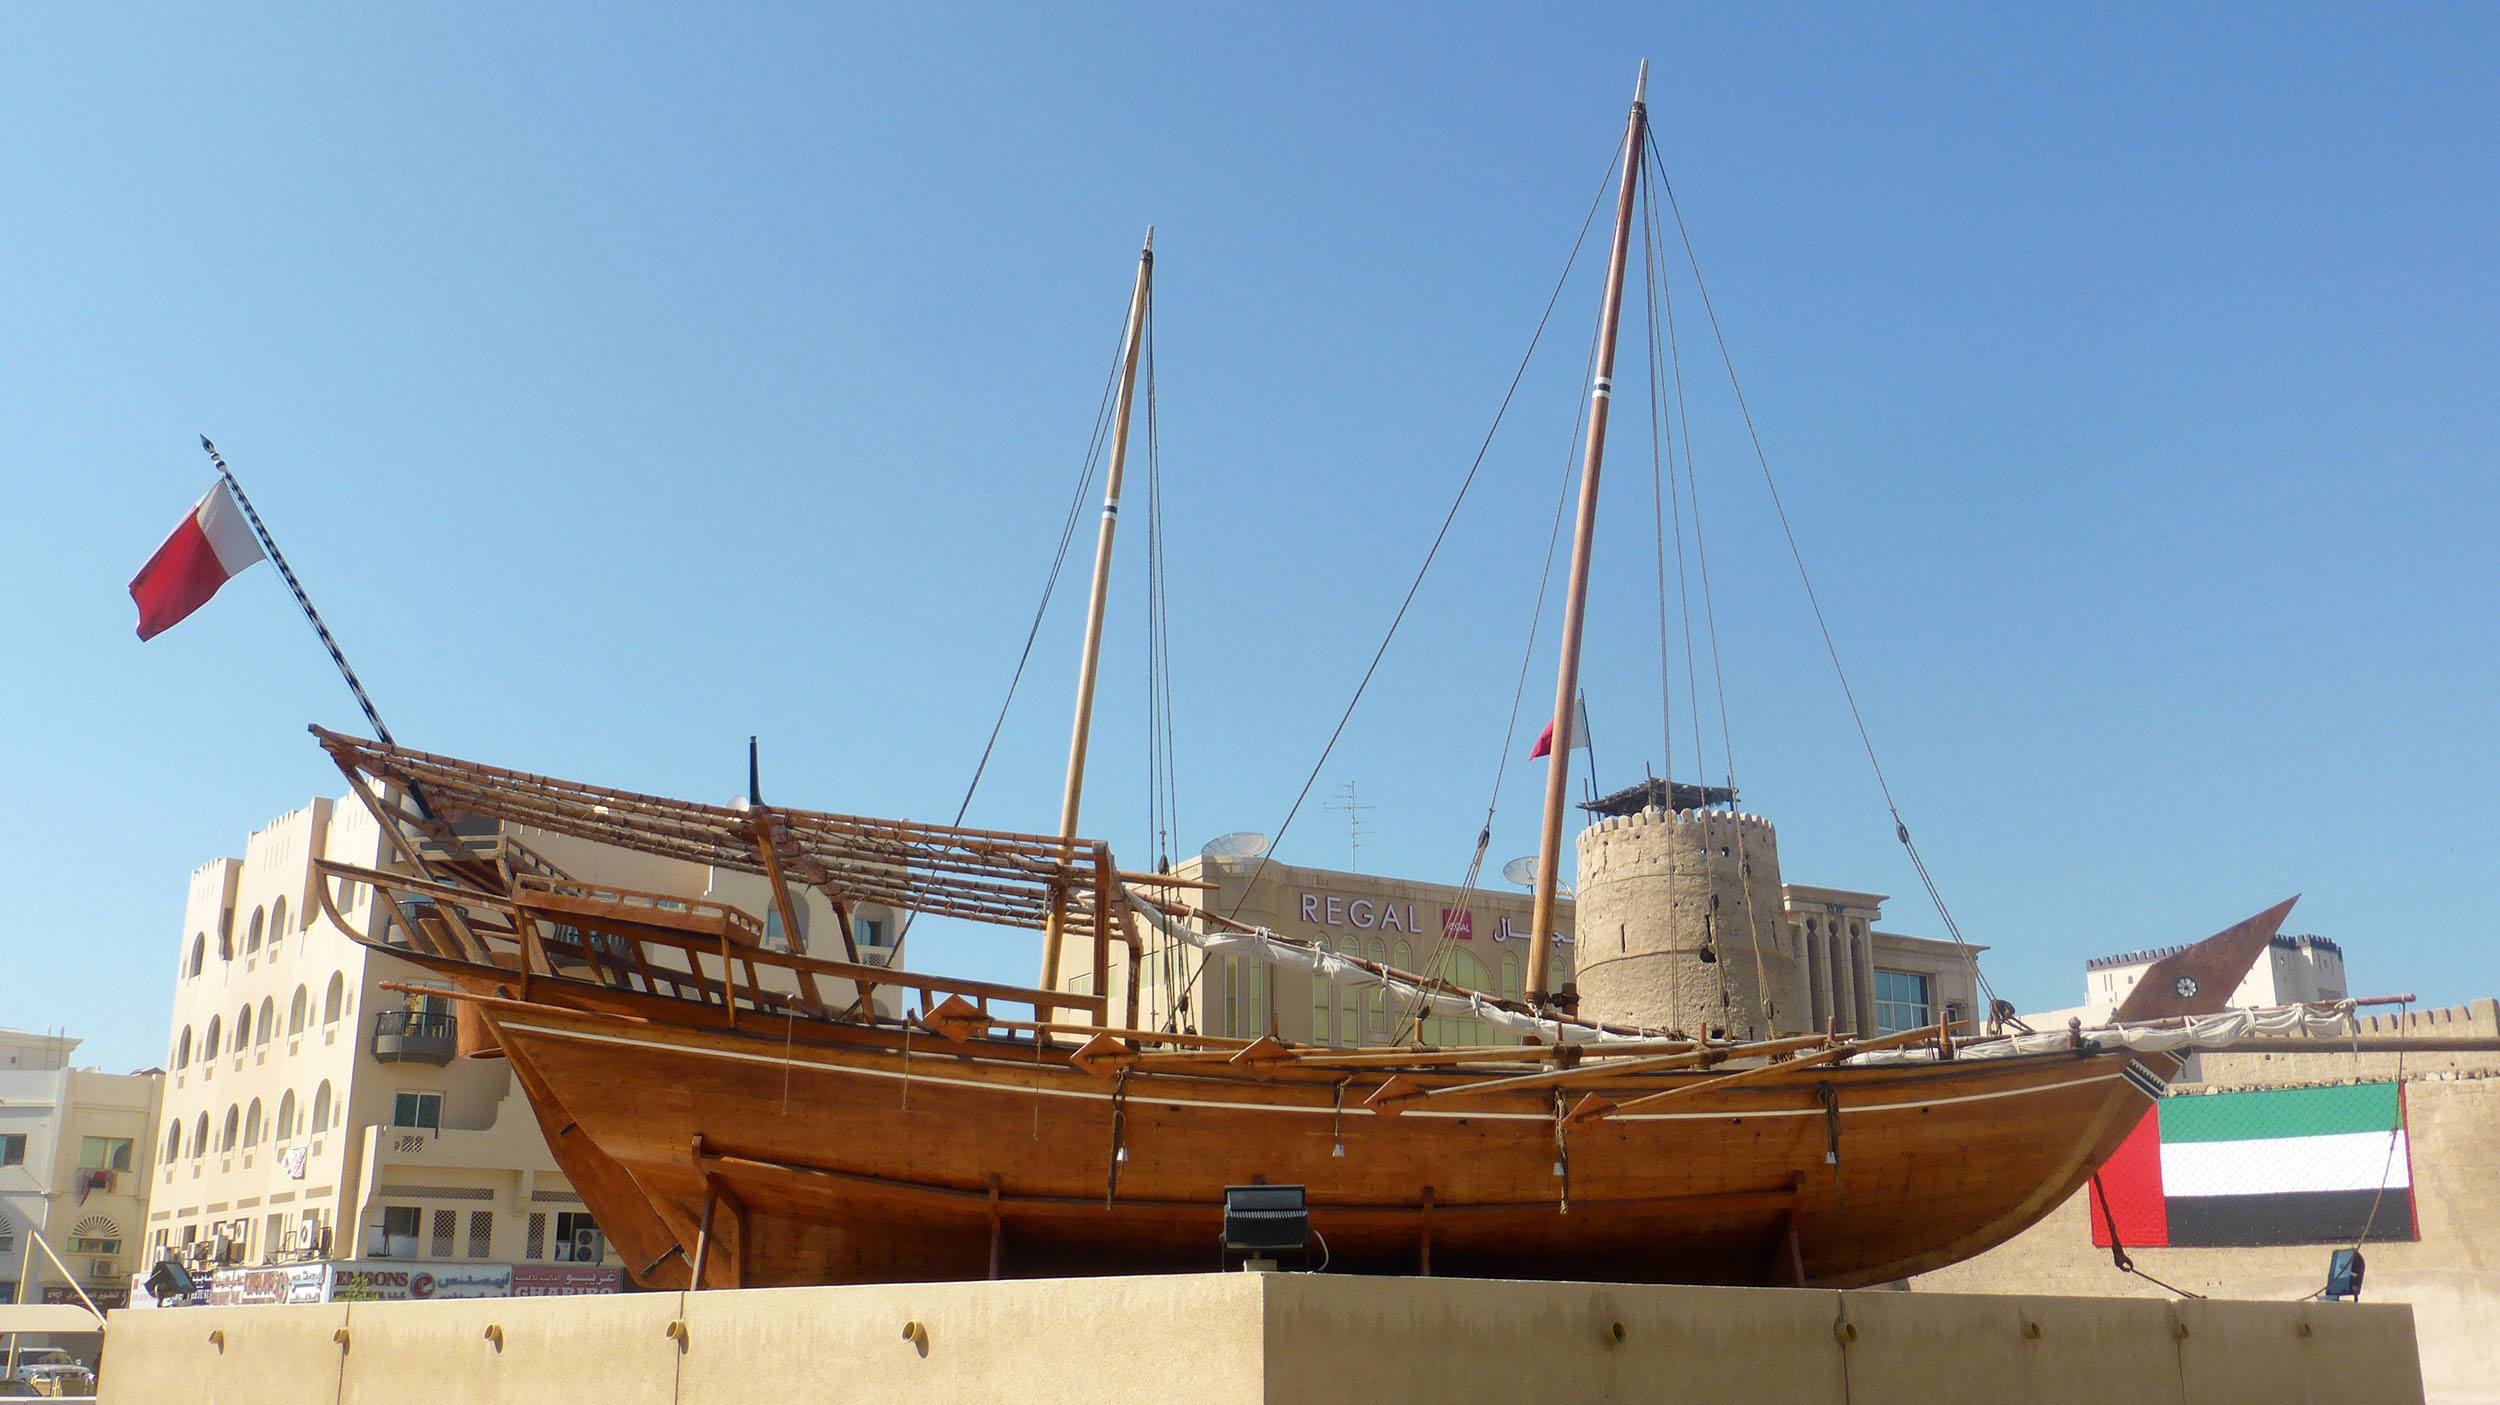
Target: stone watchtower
1680 925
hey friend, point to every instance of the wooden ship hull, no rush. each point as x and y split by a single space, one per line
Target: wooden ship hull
843 1156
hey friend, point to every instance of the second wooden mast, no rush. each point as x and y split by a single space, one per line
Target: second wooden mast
1053 926
1584 528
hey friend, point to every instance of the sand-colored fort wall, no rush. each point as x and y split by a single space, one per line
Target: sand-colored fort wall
1305 1339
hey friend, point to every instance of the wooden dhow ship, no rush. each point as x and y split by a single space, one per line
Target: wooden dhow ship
738 1110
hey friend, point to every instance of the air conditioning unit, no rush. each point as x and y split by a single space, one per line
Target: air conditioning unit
229 1250
102 1268
587 1248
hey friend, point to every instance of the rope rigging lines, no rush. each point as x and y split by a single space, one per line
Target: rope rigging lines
1788 533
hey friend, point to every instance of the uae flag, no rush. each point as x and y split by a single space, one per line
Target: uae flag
2284 1166
211 547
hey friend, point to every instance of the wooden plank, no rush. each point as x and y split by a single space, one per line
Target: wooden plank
1595 1106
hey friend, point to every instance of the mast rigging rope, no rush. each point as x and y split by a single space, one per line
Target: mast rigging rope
1901 828
1431 553
1050 583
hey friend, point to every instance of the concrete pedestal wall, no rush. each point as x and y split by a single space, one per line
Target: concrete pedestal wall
1303 1339
2450 1278
1681 924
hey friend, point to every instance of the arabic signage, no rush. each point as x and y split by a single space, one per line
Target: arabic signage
564 1280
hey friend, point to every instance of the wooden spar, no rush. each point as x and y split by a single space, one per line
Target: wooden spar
1595 1106
1069 806
1584 530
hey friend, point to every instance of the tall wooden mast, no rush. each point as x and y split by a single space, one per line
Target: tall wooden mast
1567 683
1069 806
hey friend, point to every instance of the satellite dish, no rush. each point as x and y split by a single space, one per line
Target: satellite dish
1241 844
1521 870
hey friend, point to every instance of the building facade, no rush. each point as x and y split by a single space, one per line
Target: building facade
312 1112
1861 979
74 1167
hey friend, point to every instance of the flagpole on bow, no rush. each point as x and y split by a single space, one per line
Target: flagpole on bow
277 558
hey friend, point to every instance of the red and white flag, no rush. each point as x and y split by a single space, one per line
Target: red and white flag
212 546
1579 731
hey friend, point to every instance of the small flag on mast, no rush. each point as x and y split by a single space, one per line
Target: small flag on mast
212 546
1579 730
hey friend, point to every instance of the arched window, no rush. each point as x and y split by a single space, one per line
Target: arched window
268 1019
277 925
173 1139
251 940
251 1125
199 952
208 1042
182 1049
1462 968
337 997
1349 1001
242 1028
1401 1004
234 1123
286 1116
1513 984
321 1109
1376 1001
297 1012
199 1137
775 939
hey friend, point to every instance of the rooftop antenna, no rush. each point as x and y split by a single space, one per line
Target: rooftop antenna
1351 805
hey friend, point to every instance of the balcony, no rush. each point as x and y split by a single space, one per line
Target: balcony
409 1036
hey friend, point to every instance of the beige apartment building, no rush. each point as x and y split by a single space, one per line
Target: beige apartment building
1865 979
74 1167
310 1113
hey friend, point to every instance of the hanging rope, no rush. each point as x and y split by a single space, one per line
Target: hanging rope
1901 828
1434 551
1050 583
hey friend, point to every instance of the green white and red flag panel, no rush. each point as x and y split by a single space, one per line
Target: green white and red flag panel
2279 1166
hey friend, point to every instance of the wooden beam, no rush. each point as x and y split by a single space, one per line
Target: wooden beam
1619 1068
1594 1106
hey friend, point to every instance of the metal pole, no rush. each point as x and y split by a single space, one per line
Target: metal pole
277 558
1584 529
1094 605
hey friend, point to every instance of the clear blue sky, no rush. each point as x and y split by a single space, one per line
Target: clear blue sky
624 380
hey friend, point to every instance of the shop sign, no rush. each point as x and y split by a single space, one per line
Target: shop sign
108 1296
1370 914
564 1280
238 1287
367 1281
1505 931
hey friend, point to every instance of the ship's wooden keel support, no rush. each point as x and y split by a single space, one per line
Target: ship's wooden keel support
1250 1339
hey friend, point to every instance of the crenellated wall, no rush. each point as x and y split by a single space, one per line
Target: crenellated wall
1682 925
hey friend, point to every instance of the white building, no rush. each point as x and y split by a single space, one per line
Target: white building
2294 970
74 1167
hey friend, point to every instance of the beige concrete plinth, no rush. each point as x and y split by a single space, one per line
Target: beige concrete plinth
1281 1338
